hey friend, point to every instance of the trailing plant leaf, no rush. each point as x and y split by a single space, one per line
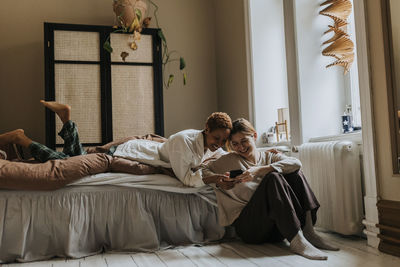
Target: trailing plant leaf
184 79
138 14
170 80
155 12
182 63
135 24
122 23
161 34
107 46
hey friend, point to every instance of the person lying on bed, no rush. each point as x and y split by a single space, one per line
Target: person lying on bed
183 151
271 200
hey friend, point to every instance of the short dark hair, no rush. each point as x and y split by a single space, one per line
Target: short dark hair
219 120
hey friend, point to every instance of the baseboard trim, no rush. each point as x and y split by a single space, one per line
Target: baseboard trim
372 238
389 226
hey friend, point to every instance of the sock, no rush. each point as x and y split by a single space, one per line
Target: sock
301 246
313 237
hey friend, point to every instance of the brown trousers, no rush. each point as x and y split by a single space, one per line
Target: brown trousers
54 174
277 209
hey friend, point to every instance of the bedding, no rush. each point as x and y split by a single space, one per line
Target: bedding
105 212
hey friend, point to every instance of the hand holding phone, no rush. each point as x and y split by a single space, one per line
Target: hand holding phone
234 173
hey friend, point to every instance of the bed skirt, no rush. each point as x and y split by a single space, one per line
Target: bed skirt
84 220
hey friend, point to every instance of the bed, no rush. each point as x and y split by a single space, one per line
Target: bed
105 212
111 98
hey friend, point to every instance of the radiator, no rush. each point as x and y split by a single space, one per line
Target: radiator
333 172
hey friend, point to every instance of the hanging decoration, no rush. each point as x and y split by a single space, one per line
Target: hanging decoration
131 17
340 45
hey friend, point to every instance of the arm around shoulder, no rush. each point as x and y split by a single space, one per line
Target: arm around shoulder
284 164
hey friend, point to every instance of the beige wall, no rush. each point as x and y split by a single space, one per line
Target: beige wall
188 28
232 80
389 184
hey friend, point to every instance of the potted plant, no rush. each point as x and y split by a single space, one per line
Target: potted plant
131 17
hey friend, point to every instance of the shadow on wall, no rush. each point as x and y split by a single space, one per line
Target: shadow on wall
21 88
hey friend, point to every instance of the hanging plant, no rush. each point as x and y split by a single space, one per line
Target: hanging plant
130 18
167 55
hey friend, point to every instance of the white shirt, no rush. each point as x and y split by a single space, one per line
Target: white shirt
183 152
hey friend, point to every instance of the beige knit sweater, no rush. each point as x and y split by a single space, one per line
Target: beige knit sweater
231 202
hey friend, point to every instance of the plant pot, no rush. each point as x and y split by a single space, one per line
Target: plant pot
125 11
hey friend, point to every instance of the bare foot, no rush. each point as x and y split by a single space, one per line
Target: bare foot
63 111
15 137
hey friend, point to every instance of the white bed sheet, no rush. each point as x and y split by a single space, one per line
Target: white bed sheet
151 181
105 212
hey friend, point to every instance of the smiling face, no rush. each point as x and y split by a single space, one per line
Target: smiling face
216 138
244 144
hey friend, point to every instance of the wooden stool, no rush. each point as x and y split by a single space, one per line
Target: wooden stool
277 130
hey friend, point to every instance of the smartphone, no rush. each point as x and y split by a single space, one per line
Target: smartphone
234 173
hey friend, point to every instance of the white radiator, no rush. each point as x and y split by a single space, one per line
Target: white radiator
333 171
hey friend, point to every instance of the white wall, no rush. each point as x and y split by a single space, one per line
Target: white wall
189 29
269 61
322 96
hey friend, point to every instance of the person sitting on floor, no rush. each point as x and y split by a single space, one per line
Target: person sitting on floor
271 200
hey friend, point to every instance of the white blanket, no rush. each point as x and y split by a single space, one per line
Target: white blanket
152 181
145 151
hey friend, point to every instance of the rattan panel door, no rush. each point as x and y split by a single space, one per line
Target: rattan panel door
110 98
133 105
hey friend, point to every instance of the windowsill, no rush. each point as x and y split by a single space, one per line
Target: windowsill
355 137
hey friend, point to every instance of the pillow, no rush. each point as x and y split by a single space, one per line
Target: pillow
52 174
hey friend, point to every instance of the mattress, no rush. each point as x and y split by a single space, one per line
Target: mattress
106 212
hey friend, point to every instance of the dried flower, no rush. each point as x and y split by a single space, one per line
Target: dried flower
124 55
133 45
146 22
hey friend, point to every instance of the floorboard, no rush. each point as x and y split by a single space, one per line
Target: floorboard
354 252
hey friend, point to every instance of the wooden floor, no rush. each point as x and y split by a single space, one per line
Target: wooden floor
354 252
